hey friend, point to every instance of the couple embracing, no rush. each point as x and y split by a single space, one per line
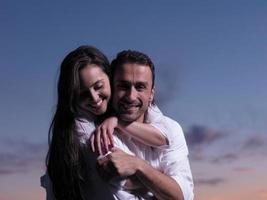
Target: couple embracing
108 139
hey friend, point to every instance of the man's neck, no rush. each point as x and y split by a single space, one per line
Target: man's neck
141 119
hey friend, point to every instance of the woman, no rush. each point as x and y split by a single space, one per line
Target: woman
68 167
83 96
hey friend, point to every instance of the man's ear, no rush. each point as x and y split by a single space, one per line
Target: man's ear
151 98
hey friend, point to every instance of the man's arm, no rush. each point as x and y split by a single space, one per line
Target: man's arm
161 185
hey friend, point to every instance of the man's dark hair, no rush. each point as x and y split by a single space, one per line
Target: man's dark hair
135 57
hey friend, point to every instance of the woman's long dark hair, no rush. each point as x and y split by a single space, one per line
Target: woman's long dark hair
64 152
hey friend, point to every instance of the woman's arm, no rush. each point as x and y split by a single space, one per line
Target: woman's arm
144 133
101 141
152 133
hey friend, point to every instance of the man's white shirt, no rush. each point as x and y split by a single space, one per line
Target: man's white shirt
171 159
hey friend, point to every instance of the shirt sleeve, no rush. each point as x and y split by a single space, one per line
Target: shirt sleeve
47 184
175 162
156 119
84 129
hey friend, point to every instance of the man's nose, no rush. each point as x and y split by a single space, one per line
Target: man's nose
132 94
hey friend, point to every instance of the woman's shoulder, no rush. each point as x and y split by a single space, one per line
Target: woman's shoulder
82 124
84 129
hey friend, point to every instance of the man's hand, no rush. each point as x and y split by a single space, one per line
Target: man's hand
124 164
102 140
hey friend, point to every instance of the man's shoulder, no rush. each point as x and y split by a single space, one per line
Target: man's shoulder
155 115
171 123
175 133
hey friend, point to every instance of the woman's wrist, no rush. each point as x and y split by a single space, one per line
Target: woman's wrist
121 125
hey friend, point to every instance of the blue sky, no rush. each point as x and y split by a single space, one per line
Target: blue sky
211 67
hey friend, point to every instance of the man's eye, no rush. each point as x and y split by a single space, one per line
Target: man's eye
140 87
122 86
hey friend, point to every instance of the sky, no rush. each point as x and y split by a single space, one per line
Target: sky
211 69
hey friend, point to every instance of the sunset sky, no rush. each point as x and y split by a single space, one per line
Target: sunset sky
211 77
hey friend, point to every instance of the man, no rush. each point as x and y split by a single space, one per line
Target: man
164 172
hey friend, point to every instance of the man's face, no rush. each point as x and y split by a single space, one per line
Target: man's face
132 91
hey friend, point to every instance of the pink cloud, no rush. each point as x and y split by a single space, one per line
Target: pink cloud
227 157
256 141
216 198
262 193
244 169
198 135
209 181
24 157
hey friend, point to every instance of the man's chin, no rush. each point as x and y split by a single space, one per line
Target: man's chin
129 117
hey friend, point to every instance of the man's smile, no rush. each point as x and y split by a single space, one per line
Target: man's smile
130 107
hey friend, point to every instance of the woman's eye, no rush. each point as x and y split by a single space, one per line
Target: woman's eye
98 87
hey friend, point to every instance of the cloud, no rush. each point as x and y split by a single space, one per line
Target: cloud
199 138
229 157
10 171
244 169
197 154
216 198
22 157
255 146
167 83
262 193
198 135
5 171
255 142
209 181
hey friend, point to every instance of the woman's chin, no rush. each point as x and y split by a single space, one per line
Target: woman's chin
99 111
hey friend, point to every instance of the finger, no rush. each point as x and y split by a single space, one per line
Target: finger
92 142
114 149
110 136
105 139
103 158
103 148
103 161
98 141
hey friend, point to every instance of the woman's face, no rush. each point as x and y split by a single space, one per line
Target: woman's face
95 89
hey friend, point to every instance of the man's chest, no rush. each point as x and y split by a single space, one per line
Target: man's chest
151 155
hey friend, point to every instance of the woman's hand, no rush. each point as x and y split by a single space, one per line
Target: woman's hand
121 163
102 139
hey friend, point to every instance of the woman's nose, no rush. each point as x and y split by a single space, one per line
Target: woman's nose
94 96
